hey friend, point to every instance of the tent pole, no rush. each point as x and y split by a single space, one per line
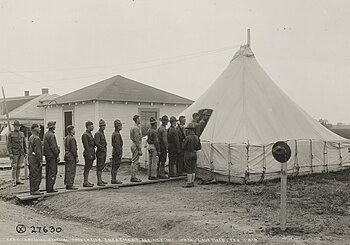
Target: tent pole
340 157
6 110
229 163
311 157
248 37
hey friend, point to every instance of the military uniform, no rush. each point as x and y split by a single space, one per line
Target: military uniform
35 159
51 153
17 148
101 152
163 142
135 136
117 153
181 132
190 145
174 149
154 150
70 157
89 154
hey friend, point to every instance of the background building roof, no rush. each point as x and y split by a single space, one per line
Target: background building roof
119 88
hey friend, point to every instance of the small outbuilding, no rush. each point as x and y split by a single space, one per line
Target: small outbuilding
114 98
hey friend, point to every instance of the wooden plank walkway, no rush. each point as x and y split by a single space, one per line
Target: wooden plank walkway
26 196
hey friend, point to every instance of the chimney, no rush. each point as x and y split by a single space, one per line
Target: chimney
44 91
26 93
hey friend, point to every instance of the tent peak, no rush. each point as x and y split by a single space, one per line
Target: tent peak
244 50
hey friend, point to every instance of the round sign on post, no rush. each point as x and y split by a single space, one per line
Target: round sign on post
282 152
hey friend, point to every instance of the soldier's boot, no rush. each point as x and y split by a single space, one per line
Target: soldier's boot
86 180
193 178
99 178
189 181
18 182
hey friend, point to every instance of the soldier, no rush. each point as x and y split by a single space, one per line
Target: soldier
195 122
89 152
153 149
117 143
71 158
51 153
135 136
173 147
101 152
203 122
181 131
190 146
163 142
35 160
17 148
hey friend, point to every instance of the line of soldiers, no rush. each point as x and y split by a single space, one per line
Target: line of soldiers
178 141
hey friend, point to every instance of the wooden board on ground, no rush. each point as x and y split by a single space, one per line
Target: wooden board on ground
27 196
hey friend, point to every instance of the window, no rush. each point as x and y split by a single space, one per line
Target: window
68 120
145 115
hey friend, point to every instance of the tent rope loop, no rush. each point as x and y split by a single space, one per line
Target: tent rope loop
296 162
340 156
246 175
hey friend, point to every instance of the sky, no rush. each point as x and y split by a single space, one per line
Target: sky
180 46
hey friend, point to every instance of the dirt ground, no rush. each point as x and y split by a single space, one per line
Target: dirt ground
318 210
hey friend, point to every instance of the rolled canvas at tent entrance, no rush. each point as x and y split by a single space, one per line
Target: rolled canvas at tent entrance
251 113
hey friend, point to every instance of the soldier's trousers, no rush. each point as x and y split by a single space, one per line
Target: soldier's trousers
172 163
162 160
16 164
101 160
190 162
69 171
180 163
35 173
116 161
153 161
51 172
135 164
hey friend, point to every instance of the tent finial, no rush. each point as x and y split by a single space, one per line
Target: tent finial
248 38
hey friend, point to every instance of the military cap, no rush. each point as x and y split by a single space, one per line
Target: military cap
181 117
51 124
16 123
190 126
173 119
134 118
117 123
164 118
34 126
70 128
152 120
88 123
195 115
101 123
206 112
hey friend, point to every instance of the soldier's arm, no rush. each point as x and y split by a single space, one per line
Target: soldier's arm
73 147
156 142
54 146
118 147
85 141
97 139
177 141
25 150
184 144
37 149
9 144
199 145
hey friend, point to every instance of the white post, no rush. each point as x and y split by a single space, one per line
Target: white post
248 38
283 196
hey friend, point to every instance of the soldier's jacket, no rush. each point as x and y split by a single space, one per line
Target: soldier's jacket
89 145
135 136
191 143
35 148
163 138
180 129
117 143
173 140
70 147
152 138
16 143
100 141
51 149
197 129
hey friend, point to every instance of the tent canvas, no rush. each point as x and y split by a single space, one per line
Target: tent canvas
251 113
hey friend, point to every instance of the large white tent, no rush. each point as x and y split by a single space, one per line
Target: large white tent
249 114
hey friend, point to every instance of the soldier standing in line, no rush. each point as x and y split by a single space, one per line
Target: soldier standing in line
71 158
195 123
117 143
135 136
89 152
163 142
101 152
181 131
51 153
190 146
153 149
17 148
173 147
35 160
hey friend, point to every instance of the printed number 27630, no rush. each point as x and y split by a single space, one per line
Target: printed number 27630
44 229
